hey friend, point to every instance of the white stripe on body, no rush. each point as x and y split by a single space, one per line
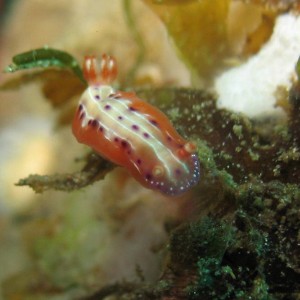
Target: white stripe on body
113 127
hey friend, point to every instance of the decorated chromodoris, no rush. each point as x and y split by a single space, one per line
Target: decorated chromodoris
132 133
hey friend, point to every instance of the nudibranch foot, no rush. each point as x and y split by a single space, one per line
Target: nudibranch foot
133 134
179 180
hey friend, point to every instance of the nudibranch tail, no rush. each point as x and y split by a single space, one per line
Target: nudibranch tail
104 72
174 177
133 134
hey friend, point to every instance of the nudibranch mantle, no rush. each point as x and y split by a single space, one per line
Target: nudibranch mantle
133 134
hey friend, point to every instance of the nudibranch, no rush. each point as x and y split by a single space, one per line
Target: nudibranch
132 133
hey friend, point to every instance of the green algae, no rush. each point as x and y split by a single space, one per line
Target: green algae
95 169
206 238
45 58
239 259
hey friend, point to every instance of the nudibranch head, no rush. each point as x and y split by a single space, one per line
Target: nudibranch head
100 73
133 134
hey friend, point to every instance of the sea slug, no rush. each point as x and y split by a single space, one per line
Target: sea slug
132 133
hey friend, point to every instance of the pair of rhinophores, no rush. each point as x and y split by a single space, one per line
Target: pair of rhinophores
132 133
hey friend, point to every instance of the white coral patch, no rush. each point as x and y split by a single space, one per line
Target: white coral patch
250 88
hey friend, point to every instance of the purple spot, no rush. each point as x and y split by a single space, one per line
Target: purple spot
116 139
124 144
94 123
101 129
97 97
120 117
135 127
177 172
148 176
146 135
82 115
107 107
132 108
138 161
89 122
80 107
153 122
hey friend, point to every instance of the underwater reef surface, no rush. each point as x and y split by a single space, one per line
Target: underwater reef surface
240 238
247 244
